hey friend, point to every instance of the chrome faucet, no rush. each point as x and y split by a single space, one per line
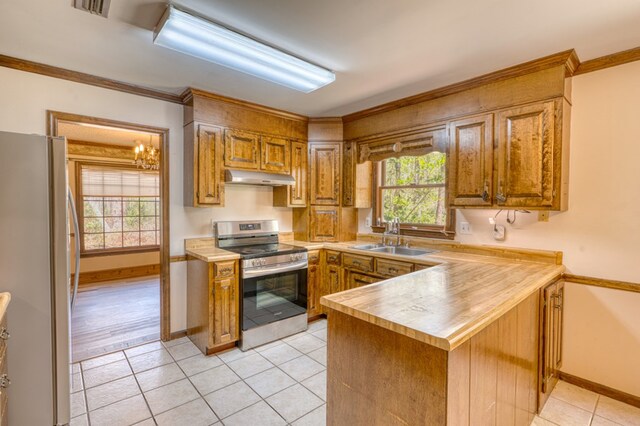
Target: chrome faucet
392 228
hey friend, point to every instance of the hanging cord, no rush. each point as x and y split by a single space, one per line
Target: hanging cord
512 221
495 226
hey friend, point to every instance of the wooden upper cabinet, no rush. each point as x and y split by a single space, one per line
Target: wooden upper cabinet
241 149
275 154
471 161
349 153
294 195
526 150
324 224
298 191
209 165
324 165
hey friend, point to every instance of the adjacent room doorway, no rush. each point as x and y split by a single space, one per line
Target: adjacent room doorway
123 234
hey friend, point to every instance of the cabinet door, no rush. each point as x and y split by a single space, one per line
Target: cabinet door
275 154
349 174
298 194
332 282
471 161
225 299
356 280
525 156
325 173
551 337
558 310
241 149
323 224
313 292
209 190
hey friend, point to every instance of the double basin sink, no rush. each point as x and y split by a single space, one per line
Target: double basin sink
405 251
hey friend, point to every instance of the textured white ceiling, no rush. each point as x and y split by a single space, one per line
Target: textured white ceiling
381 50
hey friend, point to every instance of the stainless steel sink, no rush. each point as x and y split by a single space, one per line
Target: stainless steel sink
401 250
392 249
367 246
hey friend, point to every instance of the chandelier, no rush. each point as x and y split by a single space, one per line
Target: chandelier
146 156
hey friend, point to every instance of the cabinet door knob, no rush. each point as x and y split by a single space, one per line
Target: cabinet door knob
4 381
4 334
485 193
501 197
393 270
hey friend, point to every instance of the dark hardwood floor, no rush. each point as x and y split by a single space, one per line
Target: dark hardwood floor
115 315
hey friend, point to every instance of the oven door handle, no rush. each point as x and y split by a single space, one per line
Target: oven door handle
252 273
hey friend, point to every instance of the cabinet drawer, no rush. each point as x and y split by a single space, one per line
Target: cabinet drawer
420 267
313 257
224 269
333 257
361 263
391 268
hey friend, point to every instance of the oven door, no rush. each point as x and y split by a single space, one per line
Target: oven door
273 297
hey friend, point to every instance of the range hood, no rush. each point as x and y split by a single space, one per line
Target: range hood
257 178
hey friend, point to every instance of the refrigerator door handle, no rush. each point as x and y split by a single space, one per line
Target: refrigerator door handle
76 234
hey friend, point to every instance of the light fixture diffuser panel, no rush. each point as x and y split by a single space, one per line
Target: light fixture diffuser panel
206 40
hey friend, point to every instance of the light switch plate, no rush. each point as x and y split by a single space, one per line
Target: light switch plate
465 228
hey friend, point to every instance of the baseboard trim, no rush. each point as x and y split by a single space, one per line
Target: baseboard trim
178 334
117 274
612 393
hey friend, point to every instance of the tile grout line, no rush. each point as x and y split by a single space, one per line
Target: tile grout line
144 398
226 363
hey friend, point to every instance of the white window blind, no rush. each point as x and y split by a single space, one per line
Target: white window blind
101 181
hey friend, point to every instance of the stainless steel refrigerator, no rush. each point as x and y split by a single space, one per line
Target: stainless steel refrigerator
34 268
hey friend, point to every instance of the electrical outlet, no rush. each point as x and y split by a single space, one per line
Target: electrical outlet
367 221
499 233
465 228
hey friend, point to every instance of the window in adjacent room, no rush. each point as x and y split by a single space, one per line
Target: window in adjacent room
119 209
413 189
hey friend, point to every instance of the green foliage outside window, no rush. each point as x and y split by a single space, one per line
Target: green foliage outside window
413 189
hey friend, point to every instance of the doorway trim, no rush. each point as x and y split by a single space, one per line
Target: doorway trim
54 117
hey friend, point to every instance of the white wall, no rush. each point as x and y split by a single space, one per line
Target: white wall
599 234
24 99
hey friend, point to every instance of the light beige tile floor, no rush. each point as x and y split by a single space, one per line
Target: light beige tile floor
174 384
281 383
570 405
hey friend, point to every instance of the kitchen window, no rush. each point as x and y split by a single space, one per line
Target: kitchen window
119 209
413 189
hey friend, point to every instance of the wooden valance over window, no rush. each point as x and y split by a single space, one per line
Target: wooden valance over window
415 141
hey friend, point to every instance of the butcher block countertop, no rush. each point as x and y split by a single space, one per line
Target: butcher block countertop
448 303
5 298
205 249
464 289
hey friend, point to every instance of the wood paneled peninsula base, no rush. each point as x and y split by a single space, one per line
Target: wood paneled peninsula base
456 344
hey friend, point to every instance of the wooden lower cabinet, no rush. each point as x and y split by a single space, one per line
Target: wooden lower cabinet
551 320
4 379
213 304
355 280
313 284
488 380
332 282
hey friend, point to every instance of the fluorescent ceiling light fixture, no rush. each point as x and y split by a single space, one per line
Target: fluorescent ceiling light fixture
195 36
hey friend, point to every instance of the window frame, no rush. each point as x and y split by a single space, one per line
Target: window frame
80 212
446 231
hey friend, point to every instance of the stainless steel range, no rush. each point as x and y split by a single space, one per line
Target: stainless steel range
273 280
